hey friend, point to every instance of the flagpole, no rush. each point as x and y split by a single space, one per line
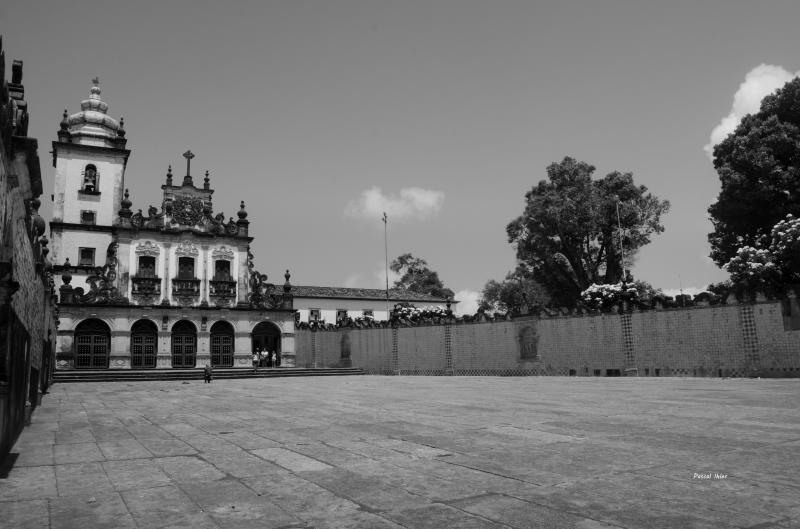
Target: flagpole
386 250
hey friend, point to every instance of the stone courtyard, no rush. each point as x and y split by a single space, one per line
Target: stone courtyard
414 452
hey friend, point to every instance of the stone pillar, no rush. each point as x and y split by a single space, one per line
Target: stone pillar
203 348
242 349
287 350
119 355
166 290
204 285
164 359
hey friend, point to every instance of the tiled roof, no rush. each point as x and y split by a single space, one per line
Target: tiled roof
395 294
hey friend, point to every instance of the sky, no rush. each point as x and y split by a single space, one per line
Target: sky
322 114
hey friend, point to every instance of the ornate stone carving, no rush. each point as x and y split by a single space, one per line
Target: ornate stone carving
148 248
187 210
222 253
186 249
146 290
102 283
265 295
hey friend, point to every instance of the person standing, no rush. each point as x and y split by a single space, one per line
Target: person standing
256 355
208 372
269 358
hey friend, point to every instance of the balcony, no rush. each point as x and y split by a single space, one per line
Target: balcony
186 291
222 290
145 289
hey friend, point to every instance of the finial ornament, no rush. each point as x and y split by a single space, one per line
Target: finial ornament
96 81
206 181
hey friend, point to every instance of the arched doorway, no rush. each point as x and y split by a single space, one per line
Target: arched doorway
92 344
222 344
267 336
184 344
144 337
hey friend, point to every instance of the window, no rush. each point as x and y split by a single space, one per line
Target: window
341 314
88 217
90 179
222 271
313 315
185 268
147 266
369 313
86 257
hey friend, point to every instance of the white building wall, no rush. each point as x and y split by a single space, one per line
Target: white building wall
69 176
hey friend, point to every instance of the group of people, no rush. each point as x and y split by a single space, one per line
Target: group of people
266 358
260 358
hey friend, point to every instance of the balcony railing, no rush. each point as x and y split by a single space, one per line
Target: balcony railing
145 289
186 291
222 291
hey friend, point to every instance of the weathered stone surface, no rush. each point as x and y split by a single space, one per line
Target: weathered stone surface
391 452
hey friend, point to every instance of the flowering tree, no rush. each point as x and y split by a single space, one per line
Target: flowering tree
604 296
773 262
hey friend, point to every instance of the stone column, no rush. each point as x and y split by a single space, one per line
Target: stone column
119 355
164 359
203 348
166 291
204 285
242 349
287 350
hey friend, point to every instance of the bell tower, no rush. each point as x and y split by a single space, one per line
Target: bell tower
89 159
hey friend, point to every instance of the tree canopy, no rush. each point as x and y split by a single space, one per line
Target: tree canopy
416 276
516 291
568 237
759 168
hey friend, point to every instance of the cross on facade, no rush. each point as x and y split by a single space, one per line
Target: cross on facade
188 178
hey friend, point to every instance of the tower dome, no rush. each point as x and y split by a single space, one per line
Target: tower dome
92 125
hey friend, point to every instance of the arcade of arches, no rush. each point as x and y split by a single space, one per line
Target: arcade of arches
92 343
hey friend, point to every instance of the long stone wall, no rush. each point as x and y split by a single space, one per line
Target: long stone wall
749 339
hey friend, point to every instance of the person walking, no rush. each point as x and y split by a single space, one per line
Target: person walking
208 373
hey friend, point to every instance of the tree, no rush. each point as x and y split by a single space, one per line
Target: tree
569 236
417 277
517 291
759 168
773 264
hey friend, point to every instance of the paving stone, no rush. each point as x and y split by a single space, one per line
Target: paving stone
28 483
35 456
125 449
231 504
77 453
167 447
522 514
239 463
165 507
82 479
391 452
102 511
290 460
135 473
182 469
437 516
370 492
31 514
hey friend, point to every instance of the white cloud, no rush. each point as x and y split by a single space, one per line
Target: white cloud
468 302
761 81
412 203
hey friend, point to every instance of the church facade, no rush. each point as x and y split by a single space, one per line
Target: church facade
175 287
